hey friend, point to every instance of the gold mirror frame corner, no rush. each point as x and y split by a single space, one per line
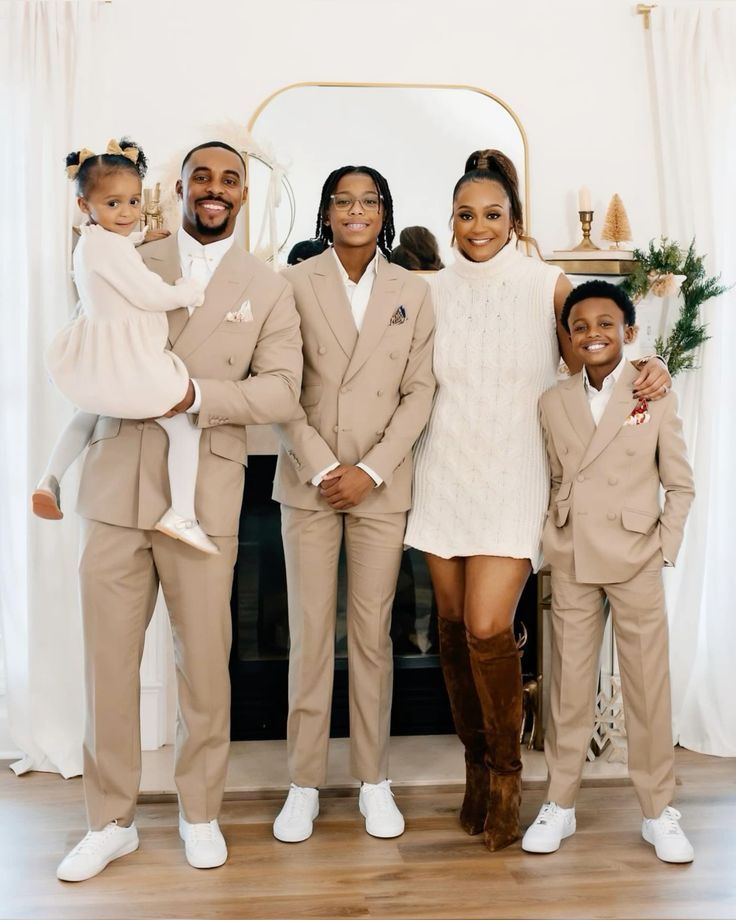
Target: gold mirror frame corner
466 86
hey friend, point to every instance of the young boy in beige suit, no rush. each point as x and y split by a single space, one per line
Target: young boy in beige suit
606 536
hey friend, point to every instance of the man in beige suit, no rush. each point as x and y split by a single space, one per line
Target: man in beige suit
243 351
606 536
344 472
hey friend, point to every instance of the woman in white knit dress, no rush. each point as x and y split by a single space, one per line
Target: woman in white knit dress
113 358
481 480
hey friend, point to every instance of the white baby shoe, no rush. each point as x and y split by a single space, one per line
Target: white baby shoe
187 530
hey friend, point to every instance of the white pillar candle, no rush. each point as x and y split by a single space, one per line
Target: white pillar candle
584 199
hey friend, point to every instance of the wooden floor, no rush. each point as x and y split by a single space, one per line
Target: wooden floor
432 871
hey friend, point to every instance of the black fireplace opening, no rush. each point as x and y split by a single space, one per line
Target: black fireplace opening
260 650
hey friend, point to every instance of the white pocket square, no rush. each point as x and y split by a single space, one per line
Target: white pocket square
243 315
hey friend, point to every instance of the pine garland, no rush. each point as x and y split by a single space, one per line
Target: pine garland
688 333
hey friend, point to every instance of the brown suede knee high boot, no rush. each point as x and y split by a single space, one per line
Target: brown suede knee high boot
468 719
497 674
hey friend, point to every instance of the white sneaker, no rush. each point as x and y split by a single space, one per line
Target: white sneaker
98 848
666 836
186 530
204 845
550 828
382 817
294 822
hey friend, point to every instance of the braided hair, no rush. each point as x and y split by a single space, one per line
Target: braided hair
100 165
324 230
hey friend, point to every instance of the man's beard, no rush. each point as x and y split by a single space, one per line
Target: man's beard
209 229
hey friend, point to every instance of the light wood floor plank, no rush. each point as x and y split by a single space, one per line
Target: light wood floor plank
432 872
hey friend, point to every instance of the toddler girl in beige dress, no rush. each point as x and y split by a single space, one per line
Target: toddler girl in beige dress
112 358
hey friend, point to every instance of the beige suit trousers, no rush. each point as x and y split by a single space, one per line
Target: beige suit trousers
120 570
373 546
640 627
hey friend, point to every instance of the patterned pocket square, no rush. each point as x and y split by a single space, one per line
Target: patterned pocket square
243 315
639 414
398 317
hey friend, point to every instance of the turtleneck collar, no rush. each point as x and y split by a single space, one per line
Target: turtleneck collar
503 260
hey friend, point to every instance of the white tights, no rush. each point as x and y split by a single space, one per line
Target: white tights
183 458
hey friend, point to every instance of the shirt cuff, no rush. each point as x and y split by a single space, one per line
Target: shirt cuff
374 476
316 480
194 408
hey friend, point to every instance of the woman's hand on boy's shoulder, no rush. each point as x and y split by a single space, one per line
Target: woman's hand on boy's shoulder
654 380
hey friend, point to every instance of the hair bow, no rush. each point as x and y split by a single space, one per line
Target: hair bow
84 154
116 150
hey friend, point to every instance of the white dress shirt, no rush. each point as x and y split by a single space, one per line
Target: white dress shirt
598 399
358 294
200 262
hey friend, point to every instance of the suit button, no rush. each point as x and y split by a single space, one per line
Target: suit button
611 516
630 451
231 360
321 350
139 426
380 433
394 354
379 392
565 450
613 480
345 389
580 477
336 428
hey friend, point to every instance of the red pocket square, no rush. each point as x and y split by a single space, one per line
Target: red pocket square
639 414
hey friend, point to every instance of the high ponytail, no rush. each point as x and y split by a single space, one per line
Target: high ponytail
493 160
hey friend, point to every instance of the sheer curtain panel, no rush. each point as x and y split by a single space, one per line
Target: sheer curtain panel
45 70
694 71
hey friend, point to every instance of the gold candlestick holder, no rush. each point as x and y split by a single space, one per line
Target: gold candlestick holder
586 222
152 215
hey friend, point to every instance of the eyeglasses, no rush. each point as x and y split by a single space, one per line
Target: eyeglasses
346 202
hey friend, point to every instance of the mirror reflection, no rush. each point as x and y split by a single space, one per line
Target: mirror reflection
417 136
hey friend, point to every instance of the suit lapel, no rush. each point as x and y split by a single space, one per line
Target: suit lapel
381 307
224 293
619 407
163 258
577 408
333 301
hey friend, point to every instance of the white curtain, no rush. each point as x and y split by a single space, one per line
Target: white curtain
694 70
45 77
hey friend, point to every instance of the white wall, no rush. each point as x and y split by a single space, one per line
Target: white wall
574 71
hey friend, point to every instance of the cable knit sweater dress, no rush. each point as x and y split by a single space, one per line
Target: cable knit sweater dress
481 477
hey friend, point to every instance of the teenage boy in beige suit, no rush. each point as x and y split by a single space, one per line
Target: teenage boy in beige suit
243 350
344 472
606 536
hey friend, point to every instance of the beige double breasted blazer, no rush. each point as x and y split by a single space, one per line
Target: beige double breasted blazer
249 373
365 397
605 519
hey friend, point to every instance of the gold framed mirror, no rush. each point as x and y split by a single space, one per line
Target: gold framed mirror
417 134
